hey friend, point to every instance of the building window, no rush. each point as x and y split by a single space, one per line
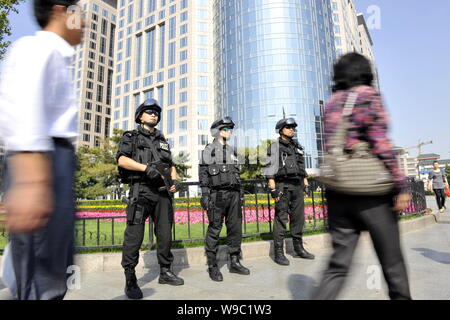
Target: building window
171 73
87 116
182 111
202 40
202 53
202 95
202 14
202 81
150 51
202 110
171 94
162 42
170 121
183 83
202 26
184 16
182 141
203 124
184 29
203 139
101 74
138 55
172 28
151 6
183 42
87 127
172 48
183 97
86 137
98 108
202 67
183 55
184 68
98 124
183 125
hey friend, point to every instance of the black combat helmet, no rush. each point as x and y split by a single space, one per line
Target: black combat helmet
285 122
221 123
149 104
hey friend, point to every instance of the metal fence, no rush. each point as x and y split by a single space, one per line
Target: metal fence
106 232
257 216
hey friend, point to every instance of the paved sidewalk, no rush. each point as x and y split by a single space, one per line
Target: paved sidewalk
427 253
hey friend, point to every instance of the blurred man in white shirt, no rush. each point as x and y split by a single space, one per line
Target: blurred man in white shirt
38 116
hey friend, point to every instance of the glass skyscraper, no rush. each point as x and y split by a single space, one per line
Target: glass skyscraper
272 55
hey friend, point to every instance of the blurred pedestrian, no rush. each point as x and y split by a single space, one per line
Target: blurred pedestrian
39 123
437 182
350 214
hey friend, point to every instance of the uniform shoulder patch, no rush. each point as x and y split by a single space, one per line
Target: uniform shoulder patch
129 133
164 145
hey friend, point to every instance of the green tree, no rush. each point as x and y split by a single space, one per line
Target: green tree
181 165
97 174
6 7
252 160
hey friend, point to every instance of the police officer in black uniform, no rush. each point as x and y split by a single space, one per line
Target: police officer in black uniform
141 154
221 197
287 182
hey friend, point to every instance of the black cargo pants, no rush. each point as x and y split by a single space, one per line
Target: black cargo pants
158 207
225 204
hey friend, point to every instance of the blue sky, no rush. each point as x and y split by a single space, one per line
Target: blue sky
412 52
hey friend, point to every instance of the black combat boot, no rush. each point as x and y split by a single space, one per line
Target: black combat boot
300 250
132 290
237 267
279 256
214 273
166 276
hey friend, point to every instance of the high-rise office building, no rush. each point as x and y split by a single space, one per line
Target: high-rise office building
351 33
164 51
272 56
346 31
94 69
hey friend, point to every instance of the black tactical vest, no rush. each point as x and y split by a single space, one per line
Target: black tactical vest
291 161
222 173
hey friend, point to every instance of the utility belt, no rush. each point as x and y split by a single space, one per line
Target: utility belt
235 187
288 180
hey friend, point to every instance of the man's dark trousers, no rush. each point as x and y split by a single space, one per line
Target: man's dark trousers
41 258
158 206
290 208
225 204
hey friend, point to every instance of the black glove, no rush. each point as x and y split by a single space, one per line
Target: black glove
176 184
308 191
151 172
204 201
275 193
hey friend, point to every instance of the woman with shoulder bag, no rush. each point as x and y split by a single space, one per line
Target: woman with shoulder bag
356 113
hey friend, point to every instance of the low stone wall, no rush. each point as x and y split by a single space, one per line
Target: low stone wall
196 256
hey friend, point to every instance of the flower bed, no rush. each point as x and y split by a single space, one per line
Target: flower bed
196 216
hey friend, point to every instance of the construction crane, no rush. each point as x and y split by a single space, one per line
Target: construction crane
419 146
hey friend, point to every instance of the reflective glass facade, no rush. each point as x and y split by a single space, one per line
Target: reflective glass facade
270 55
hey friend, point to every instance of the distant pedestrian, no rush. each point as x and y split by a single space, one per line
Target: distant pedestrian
437 182
39 117
350 214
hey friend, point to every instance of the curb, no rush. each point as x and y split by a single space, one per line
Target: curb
94 262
